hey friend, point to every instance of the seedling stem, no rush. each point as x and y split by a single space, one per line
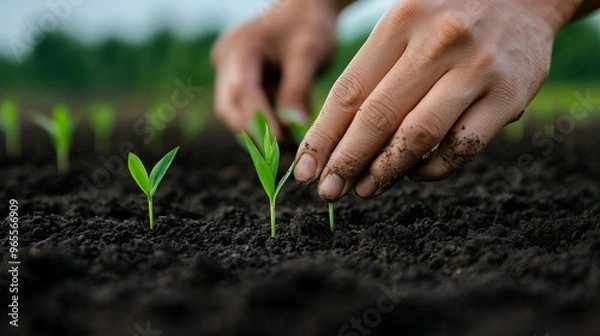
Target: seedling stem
331 217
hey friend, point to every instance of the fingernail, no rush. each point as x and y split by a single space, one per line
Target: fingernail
332 187
306 169
366 187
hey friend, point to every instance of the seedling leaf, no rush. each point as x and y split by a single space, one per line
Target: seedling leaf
284 178
160 169
60 129
139 173
263 170
257 129
44 122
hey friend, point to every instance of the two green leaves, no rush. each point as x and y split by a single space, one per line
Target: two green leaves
149 183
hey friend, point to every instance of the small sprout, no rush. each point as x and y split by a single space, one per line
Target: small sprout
193 124
60 127
149 184
265 158
102 121
156 122
10 122
298 130
331 216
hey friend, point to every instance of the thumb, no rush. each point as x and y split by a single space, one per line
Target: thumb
298 72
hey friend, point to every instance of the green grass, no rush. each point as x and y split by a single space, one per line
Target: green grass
559 98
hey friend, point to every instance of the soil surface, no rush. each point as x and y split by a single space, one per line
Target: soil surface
509 245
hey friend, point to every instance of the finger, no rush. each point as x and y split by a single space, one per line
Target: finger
359 79
421 130
377 120
299 67
470 134
227 99
239 93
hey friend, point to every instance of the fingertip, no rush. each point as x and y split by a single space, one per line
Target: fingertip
305 171
331 188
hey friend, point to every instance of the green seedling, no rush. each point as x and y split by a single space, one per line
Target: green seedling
298 130
10 122
60 128
331 216
193 123
150 183
157 122
265 157
102 121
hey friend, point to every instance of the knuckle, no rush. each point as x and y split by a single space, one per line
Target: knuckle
423 135
486 59
404 12
306 44
451 28
378 116
454 26
503 96
348 91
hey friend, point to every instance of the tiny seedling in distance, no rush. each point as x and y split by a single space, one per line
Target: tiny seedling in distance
193 123
60 128
102 121
10 122
149 183
265 158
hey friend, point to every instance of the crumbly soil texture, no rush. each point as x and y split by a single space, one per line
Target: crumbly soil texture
509 245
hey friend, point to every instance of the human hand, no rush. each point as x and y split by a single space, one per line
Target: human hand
436 78
295 36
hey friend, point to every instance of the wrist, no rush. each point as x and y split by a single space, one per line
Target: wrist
557 13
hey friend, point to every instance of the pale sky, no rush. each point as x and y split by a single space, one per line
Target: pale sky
135 20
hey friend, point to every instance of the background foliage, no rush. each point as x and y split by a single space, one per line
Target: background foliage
62 65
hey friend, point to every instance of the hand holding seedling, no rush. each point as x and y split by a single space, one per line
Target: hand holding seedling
435 81
149 183
434 77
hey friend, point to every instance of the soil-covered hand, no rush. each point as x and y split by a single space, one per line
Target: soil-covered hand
434 82
296 37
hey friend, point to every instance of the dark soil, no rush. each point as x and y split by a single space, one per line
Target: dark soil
503 247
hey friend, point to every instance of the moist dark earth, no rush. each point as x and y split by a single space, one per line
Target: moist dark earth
509 245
